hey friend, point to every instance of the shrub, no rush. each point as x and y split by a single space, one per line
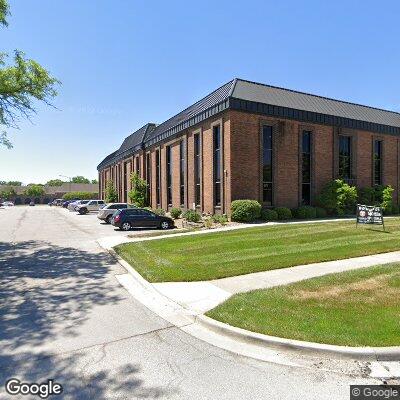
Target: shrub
111 195
80 196
321 212
245 210
220 219
208 222
387 199
269 215
138 194
306 212
159 211
395 209
366 196
283 213
337 197
175 212
192 216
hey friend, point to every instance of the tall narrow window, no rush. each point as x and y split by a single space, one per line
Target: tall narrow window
137 166
158 177
126 178
345 157
306 168
197 169
148 177
182 172
217 165
267 165
169 175
377 162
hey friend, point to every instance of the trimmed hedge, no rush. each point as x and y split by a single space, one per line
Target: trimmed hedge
283 213
192 216
81 196
306 212
175 212
245 210
269 215
321 212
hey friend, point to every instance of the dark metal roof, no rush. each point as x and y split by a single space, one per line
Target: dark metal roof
243 95
213 103
260 93
130 145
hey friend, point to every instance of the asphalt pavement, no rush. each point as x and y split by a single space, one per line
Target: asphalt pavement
64 316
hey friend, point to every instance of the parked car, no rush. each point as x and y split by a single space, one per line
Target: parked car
106 213
32 203
91 205
8 204
58 202
140 218
72 206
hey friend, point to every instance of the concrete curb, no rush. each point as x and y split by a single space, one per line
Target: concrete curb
266 341
355 353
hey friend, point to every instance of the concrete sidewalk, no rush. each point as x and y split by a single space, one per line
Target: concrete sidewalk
200 297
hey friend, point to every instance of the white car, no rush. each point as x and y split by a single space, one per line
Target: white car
91 205
105 214
8 204
72 206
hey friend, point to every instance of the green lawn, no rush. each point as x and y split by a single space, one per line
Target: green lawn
238 252
356 308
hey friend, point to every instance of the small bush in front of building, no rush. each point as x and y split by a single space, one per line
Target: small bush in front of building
208 222
192 216
111 194
175 212
387 199
337 197
306 212
284 213
159 211
321 212
245 210
269 215
395 209
220 219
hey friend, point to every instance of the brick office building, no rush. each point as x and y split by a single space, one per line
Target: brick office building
247 140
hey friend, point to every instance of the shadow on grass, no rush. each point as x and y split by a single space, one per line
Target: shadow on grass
45 289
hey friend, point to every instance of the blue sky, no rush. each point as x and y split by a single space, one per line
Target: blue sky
124 63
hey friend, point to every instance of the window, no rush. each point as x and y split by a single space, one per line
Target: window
377 173
169 175
148 177
137 166
345 157
126 177
267 165
306 168
217 165
182 172
197 169
158 177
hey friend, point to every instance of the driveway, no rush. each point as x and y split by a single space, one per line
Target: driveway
63 315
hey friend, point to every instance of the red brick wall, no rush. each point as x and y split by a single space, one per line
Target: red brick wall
242 172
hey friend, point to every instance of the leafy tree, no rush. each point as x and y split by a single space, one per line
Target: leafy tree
54 182
3 183
138 194
34 190
95 181
111 193
7 193
79 179
22 82
14 183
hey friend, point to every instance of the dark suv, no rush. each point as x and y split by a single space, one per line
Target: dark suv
140 218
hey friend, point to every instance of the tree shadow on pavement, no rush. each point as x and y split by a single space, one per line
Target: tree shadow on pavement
44 287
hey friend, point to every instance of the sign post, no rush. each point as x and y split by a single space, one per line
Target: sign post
369 215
